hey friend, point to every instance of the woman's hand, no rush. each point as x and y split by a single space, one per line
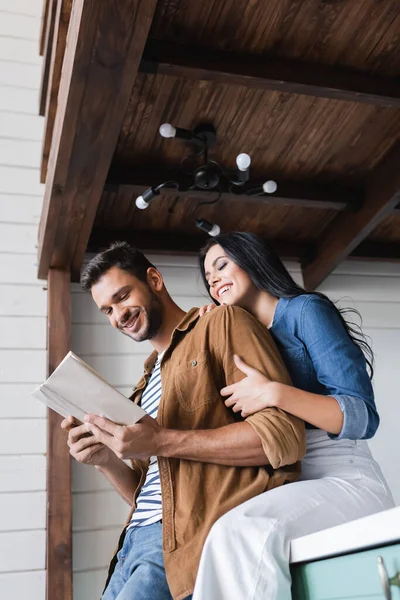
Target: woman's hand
251 394
206 309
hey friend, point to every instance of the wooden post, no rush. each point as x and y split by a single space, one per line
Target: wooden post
59 502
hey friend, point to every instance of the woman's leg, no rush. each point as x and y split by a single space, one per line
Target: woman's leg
246 555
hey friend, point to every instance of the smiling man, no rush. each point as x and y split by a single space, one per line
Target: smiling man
193 458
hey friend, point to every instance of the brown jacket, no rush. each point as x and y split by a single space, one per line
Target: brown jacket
196 365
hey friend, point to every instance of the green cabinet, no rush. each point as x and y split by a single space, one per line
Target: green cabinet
360 576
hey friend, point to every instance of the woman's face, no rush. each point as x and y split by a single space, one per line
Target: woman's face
229 284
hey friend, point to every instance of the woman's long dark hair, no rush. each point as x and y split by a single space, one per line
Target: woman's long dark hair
252 254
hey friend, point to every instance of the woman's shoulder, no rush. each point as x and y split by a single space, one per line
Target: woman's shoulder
308 308
306 302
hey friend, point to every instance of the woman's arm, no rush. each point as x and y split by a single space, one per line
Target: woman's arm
257 392
348 410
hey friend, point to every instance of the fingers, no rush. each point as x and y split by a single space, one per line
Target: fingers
86 455
235 405
104 437
82 443
206 309
228 390
202 311
104 424
244 367
78 432
230 401
68 423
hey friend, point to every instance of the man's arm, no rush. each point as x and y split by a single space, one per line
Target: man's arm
87 450
234 445
121 476
270 436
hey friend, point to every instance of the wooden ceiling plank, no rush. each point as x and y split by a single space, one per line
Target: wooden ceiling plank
347 231
377 251
301 194
47 54
103 51
62 17
269 73
177 243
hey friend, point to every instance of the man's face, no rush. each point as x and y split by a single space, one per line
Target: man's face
130 304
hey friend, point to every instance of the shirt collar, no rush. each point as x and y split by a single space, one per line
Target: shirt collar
279 310
191 316
188 320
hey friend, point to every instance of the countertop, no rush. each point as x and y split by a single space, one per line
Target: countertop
376 530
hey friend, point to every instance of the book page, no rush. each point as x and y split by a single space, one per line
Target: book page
76 389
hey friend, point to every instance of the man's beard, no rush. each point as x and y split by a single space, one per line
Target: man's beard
153 318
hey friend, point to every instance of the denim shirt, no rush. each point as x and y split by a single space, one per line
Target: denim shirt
322 359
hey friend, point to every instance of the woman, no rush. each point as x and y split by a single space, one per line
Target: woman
246 555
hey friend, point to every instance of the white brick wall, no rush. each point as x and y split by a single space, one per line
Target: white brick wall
22 307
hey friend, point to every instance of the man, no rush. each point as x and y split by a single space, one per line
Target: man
197 459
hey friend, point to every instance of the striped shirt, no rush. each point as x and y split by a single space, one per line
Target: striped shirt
148 504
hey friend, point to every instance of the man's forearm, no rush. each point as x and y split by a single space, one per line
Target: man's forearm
233 445
121 477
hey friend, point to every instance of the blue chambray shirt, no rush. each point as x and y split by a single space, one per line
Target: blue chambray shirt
322 359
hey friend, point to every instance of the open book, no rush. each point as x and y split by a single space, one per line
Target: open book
74 388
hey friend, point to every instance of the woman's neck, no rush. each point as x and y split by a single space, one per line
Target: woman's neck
263 308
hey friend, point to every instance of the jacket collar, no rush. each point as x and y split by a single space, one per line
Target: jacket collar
188 320
191 316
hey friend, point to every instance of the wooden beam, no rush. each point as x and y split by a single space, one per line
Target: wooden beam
377 251
347 231
301 194
43 25
181 243
104 47
59 500
47 53
269 73
62 17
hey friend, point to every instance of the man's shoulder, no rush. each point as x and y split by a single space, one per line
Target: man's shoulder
226 315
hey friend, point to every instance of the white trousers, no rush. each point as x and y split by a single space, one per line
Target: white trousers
246 554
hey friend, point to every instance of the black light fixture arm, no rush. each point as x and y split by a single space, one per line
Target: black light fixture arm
208 175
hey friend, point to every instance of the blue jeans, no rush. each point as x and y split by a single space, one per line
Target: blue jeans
139 573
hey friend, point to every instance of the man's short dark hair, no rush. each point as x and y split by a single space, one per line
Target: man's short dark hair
121 255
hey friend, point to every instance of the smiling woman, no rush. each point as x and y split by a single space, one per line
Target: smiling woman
332 393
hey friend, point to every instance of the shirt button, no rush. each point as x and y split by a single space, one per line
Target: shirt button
194 363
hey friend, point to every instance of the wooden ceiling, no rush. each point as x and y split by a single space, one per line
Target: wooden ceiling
309 88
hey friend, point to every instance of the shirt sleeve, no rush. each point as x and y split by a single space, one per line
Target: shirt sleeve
340 367
282 435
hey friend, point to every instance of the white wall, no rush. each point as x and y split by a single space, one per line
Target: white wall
374 290
22 307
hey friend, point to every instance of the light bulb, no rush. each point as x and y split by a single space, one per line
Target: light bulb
141 203
167 130
210 228
243 161
215 230
270 186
